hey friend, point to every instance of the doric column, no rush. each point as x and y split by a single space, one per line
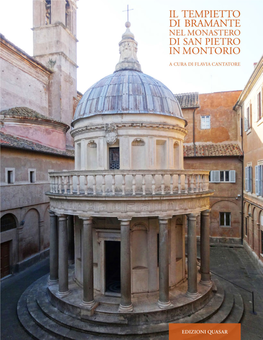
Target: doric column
163 301
70 239
192 254
205 246
53 248
125 305
63 255
87 262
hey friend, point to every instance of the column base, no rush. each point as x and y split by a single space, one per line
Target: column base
205 277
62 294
164 305
52 282
125 309
192 295
90 304
206 282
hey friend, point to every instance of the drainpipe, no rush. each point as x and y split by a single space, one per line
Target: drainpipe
241 159
194 132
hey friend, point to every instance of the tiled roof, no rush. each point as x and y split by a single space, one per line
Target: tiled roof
203 150
188 100
25 112
20 143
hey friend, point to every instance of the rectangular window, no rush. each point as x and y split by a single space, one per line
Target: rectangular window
205 122
10 175
217 176
225 219
31 175
259 108
248 178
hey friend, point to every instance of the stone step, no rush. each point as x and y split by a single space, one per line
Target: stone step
237 312
96 324
28 323
208 311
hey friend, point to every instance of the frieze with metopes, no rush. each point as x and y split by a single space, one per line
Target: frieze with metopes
131 208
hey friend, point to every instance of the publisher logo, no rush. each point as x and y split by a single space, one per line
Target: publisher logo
203 331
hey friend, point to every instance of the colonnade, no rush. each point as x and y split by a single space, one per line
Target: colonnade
59 257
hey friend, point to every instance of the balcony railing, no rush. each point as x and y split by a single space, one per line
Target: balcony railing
128 182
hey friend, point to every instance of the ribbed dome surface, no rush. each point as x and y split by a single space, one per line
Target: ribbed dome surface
128 91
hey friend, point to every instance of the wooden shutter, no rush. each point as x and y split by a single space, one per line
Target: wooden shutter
250 174
232 176
216 176
257 181
261 181
246 178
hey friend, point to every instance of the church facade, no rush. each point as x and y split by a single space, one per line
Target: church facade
38 98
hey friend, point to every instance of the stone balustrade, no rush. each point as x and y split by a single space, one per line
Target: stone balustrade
128 182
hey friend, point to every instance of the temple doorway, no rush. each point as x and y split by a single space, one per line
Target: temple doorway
113 267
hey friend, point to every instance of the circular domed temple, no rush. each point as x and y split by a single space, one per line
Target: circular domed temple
117 246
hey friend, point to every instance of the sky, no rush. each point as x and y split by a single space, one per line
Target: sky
101 24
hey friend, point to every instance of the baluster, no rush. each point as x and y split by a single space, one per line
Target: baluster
171 184
62 184
186 184
206 180
71 184
201 183
85 184
162 184
123 184
51 184
94 184
103 185
65 184
192 183
143 184
153 184
59 184
78 184
197 183
113 185
179 184
133 184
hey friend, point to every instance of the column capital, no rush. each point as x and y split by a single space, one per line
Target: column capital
51 213
165 218
192 217
206 212
85 218
125 219
61 217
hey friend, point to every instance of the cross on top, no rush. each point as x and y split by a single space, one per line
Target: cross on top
127 10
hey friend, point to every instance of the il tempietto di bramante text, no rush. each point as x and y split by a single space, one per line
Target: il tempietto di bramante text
204 32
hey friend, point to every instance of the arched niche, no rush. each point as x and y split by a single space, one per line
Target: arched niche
139 246
30 234
138 154
92 159
161 154
8 222
176 155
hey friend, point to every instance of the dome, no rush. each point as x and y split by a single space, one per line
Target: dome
128 91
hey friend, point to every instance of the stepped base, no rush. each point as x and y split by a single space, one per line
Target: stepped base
47 316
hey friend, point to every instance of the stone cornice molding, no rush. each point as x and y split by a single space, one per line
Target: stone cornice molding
57 24
101 127
57 53
33 121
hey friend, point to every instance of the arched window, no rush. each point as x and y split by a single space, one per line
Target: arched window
48 12
67 14
8 222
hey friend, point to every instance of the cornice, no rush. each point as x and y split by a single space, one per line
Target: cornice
99 127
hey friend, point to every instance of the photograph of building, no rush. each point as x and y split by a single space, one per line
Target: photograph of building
124 187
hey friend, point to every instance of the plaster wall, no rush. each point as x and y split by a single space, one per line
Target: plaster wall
18 79
225 198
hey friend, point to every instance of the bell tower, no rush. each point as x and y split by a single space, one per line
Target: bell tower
55 46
